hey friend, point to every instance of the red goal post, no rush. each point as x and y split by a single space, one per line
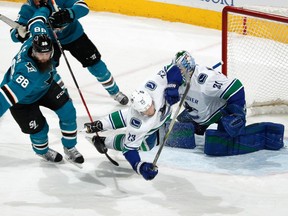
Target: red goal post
255 50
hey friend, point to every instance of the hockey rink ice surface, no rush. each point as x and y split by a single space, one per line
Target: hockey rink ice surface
188 184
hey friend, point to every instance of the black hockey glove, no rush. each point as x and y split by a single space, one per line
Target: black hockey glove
61 18
93 127
99 144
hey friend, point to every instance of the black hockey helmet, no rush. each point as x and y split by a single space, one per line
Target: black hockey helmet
42 43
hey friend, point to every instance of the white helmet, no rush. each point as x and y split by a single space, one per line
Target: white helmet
185 62
141 100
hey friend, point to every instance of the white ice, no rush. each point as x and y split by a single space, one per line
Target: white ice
189 183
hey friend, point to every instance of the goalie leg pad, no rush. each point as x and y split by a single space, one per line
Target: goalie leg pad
181 136
257 136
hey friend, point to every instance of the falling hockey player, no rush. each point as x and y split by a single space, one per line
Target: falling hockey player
142 121
36 15
31 82
214 98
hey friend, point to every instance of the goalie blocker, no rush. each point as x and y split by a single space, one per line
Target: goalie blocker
258 136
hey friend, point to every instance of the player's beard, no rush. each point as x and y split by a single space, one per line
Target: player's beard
44 66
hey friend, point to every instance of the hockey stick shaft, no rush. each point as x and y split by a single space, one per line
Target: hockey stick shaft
56 8
68 65
74 79
172 122
175 116
9 21
72 74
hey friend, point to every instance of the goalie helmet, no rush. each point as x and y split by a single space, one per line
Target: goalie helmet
185 62
141 100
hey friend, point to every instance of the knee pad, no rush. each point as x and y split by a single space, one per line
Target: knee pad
181 136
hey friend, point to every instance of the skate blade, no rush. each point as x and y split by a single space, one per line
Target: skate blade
74 163
44 161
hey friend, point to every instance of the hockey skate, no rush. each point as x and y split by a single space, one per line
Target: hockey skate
121 98
51 156
73 155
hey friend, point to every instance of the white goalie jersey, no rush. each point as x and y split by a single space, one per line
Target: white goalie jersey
208 93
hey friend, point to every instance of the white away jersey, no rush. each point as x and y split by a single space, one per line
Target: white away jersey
140 126
208 93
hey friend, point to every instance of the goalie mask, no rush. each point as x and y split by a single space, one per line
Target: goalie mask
141 100
185 62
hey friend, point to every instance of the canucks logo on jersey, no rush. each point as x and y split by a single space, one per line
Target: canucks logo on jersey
136 123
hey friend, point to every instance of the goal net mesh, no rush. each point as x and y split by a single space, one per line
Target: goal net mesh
255 47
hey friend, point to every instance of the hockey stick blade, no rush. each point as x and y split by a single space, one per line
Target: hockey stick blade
9 21
106 154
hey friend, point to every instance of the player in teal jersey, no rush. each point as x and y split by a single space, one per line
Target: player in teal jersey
31 82
70 34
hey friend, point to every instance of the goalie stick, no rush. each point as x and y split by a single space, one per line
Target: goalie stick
161 145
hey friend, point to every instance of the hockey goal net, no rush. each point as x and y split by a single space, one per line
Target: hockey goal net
255 50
